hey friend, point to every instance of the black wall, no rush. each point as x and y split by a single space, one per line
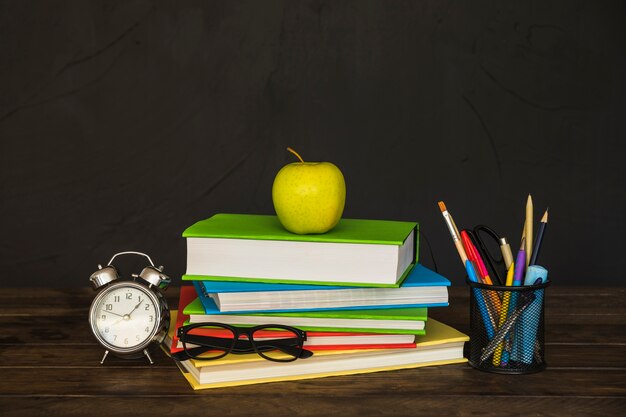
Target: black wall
122 123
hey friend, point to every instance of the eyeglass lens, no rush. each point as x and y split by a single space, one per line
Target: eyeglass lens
210 342
277 344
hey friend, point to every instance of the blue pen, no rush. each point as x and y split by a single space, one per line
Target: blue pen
529 321
519 346
482 306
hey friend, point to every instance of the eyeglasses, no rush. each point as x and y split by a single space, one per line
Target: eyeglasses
274 342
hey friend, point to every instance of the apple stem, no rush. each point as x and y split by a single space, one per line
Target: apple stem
296 154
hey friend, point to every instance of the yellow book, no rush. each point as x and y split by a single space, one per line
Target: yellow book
198 386
441 345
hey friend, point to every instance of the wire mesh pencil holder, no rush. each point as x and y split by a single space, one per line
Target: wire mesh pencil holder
507 328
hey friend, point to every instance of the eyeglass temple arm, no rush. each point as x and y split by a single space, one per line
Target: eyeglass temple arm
184 355
284 345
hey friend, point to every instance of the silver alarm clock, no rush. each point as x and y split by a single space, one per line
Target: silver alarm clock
128 317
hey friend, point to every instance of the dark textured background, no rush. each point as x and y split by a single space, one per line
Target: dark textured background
121 123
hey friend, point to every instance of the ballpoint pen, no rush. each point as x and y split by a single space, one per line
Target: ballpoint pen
530 319
520 265
473 255
487 317
507 255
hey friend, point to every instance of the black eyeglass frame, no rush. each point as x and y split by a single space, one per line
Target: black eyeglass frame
239 346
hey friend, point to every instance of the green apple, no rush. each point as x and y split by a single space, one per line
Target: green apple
309 196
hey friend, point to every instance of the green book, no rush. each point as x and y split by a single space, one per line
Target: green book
256 248
392 321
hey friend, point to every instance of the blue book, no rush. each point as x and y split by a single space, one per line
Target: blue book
421 288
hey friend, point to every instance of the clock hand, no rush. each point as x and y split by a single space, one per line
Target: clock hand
136 307
115 314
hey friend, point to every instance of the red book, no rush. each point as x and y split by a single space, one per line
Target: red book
315 340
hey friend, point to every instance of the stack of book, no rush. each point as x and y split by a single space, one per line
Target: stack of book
358 291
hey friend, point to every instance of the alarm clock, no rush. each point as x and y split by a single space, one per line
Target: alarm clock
129 316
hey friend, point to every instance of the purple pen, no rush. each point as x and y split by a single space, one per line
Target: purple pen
518 278
520 263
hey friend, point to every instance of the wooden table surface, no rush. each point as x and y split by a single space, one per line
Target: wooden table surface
49 364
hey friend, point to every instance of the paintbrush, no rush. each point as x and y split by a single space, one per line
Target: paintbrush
454 232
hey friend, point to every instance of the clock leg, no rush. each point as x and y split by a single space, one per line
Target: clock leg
106 352
145 352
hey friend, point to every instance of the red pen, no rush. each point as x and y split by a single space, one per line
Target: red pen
475 257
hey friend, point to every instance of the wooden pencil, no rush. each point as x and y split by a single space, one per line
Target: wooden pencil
542 228
528 228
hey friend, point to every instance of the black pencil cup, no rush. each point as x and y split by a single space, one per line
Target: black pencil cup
507 328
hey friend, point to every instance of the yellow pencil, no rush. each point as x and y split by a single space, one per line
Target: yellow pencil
528 228
505 306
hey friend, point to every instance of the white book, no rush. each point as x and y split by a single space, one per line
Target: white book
257 248
328 299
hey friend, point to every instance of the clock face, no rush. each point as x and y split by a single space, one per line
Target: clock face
125 317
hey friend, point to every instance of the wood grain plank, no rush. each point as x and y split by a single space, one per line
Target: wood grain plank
225 404
579 356
71 355
451 380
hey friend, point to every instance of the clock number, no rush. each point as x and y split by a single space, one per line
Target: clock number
129 295
106 330
116 298
147 329
114 337
151 319
104 317
147 307
139 299
109 307
137 338
126 341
